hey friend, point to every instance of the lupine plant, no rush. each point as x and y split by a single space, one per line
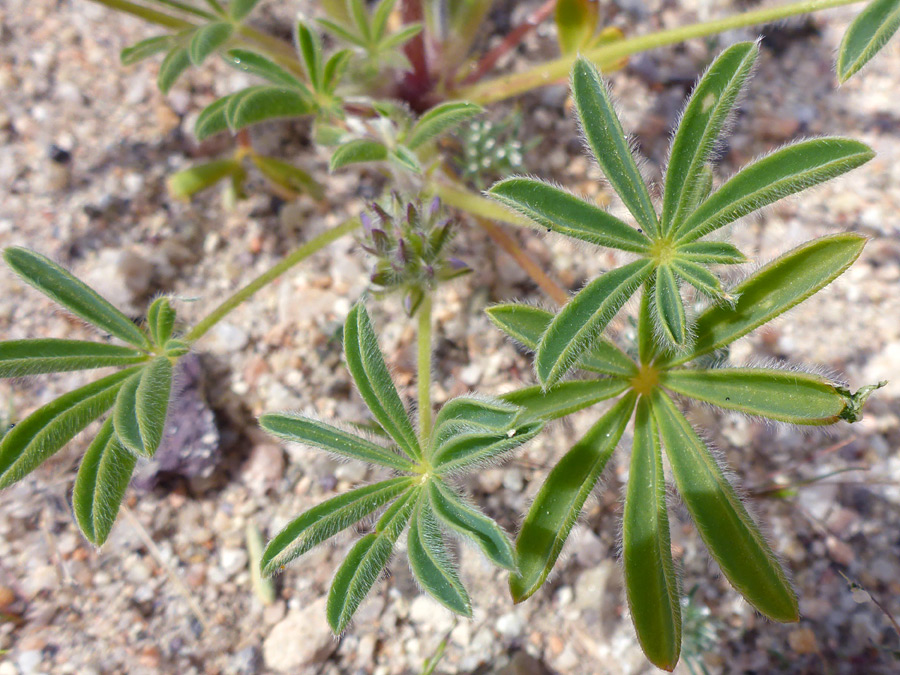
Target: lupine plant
382 92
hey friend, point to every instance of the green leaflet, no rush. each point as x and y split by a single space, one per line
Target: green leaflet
430 562
711 253
361 18
145 49
57 284
561 498
160 321
208 39
187 182
256 64
369 371
176 62
467 450
646 335
311 51
472 524
32 357
356 151
325 520
607 139
439 120
342 33
360 569
100 485
566 214
527 324
775 176
298 429
288 176
572 332
669 308
564 398
263 102
654 596
865 37
335 68
782 395
576 22
704 117
466 413
704 281
774 289
211 119
404 159
401 36
50 427
239 9
141 407
728 531
380 16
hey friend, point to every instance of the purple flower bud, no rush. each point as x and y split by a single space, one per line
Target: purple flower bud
435 207
402 252
457 264
366 222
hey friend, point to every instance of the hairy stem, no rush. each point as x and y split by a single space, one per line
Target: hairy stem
299 255
458 196
511 85
147 14
423 376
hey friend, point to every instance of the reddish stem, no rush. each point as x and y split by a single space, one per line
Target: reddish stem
416 83
510 42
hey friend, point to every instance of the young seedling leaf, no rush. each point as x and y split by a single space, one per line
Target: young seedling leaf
256 64
669 307
526 324
573 331
775 176
141 407
654 596
728 531
186 183
311 51
261 103
208 39
176 62
59 285
160 321
561 498
298 429
211 119
356 151
19 358
288 176
711 253
145 49
467 450
239 9
783 395
564 398
431 564
369 371
335 68
774 289
327 519
362 566
561 212
100 485
607 139
439 120
471 523
50 427
704 117
576 23
869 32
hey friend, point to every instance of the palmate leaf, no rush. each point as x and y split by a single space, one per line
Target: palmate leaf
728 531
370 373
699 277
357 151
431 564
775 176
781 395
653 592
607 139
561 212
564 398
703 120
208 39
561 498
362 566
141 407
772 290
327 519
865 37
469 522
59 285
526 324
49 355
439 120
298 429
47 429
100 485
574 329
256 64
